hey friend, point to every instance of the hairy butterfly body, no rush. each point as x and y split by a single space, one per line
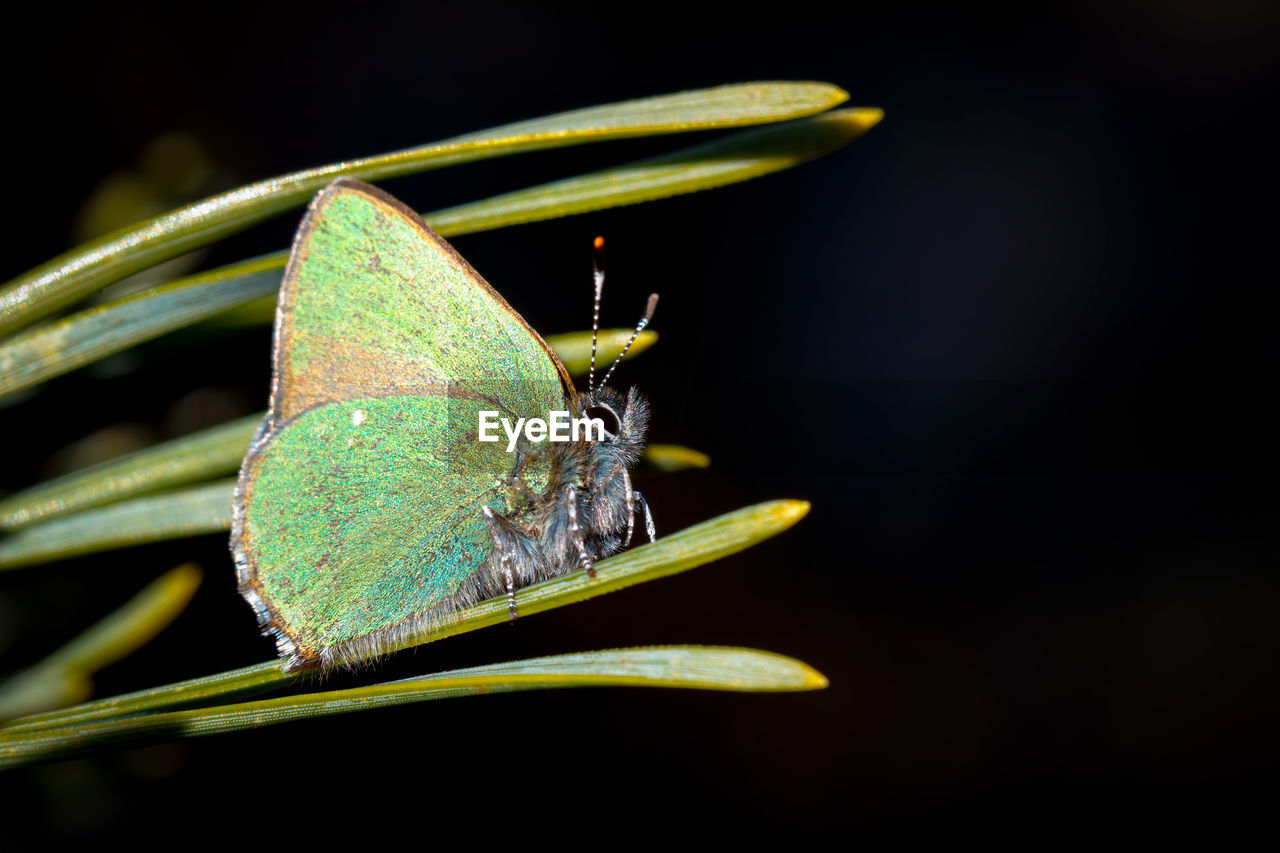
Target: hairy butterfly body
367 511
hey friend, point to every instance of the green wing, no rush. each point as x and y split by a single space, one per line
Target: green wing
357 516
375 304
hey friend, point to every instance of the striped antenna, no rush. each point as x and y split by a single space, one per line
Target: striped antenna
598 276
644 321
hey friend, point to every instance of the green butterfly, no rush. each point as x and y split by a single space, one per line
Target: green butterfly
367 508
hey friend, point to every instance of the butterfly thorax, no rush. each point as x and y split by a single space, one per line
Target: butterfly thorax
599 474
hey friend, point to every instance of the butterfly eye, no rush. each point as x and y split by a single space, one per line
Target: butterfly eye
612 426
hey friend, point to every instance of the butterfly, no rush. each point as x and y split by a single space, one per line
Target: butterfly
367 510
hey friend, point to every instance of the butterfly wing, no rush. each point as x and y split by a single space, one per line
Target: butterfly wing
374 303
358 512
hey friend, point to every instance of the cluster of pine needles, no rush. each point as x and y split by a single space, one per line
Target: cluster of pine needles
182 488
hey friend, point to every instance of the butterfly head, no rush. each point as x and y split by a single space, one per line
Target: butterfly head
625 418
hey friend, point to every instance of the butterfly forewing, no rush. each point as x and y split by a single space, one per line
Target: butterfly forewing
375 304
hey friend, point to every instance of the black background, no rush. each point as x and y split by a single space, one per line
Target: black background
1016 345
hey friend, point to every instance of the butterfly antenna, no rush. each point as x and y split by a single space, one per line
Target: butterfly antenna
598 276
644 321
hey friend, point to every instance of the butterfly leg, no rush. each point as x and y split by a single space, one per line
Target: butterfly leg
575 532
606 509
649 526
631 516
504 537
512 615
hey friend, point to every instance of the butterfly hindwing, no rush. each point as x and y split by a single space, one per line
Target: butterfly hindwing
358 513
353 531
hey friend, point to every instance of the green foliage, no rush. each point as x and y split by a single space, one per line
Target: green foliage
179 488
